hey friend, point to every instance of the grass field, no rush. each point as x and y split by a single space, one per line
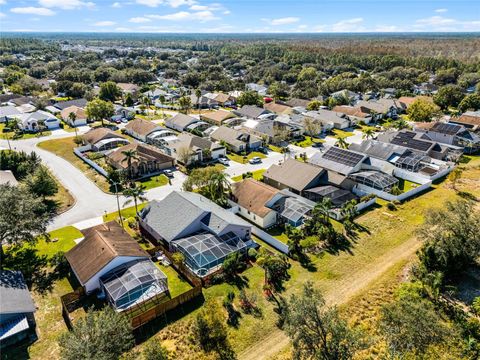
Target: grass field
257 175
154 181
275 148
64 148
406 185
239 158
60 240
337 133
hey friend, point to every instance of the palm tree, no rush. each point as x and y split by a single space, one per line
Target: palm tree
161 99
185 103
218 189
368 133
198 93
342 143
400 124
135 193
130 155
295 235
72 116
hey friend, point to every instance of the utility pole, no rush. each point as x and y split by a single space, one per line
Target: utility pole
118 205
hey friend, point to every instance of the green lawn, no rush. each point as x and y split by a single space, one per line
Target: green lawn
239 158
60 240
406 185
257 175
154 181
64 148
176 283
308 141
366 127
275 148
10 135
337 133
278 232
126 213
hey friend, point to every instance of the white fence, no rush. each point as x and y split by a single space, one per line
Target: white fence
362 190
269 239
79 153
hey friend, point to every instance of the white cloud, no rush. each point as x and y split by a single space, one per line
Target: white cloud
441 10
116 5
171 3
2 2
227 12
104 23
2 15
186 16
320 28
123 29
66 4
199 7
440 23
302 27
33 11
387 28
349 25
138 20
282 21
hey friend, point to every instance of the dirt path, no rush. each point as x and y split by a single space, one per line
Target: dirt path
347 287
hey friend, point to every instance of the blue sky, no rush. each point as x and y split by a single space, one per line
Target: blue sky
240 16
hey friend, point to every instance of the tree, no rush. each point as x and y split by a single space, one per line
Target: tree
470 102
178 258
184 155
278 90
129 100
129 156
449 96
41 183
451 239
103 334
317 331
410 324
314 105
250 98
454 176
23 217
312 127
109 91
342 143
295 236
99 110
185 104
153 350
232 264
368 133
135 193
198 94
161 99
211 183
422 110
275 267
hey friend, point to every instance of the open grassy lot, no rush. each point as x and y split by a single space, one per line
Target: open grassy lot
341 134
64 148
240 159
257 175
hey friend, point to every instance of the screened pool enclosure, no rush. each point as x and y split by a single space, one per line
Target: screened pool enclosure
133 283
204 251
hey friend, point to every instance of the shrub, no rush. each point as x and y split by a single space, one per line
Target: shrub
132 223
391 206
154 351
252 254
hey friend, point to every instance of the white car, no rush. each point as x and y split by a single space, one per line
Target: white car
223 161
255 160
168 173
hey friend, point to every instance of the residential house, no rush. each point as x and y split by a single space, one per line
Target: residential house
354 113
37 121
189 148
329 119
203 102
297 103
26 108
469 119
205 233
236 140
17 321
128 88
121 112
7 112
221 99
7 177
350 96
110 261
278 108
260 89
149 160
5 99
450 134
252 197
409 100
22 100
273 131
148 131
382 108
425 89
61 105
181 122
216 117
80 116
293 175
251 111
102 139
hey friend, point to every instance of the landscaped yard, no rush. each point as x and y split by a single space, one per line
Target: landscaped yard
60 240
64 148
257 175
406 185
154 181
240 159
275 148
341 134
10 135
176 283
126 213
308 141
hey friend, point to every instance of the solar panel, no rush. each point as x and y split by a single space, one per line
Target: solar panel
445 128
343 156
405 139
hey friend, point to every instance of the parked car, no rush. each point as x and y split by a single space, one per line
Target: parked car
255 160
125 121
223 161
168 173
263 150
317 145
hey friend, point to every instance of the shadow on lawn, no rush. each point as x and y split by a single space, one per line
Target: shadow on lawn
39 271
